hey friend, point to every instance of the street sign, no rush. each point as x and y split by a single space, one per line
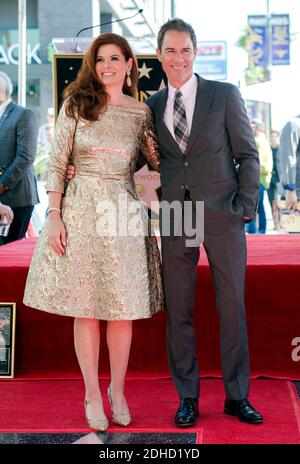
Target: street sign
258 40
280 39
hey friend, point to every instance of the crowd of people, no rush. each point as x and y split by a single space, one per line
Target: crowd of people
279 171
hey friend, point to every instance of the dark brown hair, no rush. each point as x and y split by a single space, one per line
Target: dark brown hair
86 97
179 25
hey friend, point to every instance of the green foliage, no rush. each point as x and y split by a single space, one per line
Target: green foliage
41 162
253 74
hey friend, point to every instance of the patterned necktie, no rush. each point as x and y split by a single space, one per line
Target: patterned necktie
180 123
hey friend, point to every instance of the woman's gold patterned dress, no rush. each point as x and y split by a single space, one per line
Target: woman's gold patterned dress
110 269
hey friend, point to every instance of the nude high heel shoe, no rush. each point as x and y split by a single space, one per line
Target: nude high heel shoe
118 418
93 423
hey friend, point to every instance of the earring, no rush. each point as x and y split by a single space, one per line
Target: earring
128 79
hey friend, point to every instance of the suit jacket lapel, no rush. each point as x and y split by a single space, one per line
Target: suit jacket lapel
6 113
160 110
204 96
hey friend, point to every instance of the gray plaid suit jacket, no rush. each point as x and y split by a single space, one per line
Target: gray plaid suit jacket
18 137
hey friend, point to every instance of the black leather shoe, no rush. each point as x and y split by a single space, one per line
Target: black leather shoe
187 413
243 410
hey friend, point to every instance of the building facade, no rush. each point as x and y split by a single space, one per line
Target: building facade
62 19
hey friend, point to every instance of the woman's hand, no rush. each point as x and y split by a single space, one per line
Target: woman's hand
57 233
6 211
70 172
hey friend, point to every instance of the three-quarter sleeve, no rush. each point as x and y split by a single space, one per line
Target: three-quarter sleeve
149 144
61 151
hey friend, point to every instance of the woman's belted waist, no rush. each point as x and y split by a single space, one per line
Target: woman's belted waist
103 176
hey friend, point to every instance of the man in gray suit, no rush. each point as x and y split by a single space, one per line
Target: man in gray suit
18 136
208 154
289 156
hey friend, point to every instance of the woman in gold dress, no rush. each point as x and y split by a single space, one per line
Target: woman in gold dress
82 265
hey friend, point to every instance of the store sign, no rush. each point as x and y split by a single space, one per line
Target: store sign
10 55
211 60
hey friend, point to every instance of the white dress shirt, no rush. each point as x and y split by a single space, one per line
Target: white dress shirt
189 91
4 106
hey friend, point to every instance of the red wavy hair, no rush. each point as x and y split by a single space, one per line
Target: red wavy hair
86 97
